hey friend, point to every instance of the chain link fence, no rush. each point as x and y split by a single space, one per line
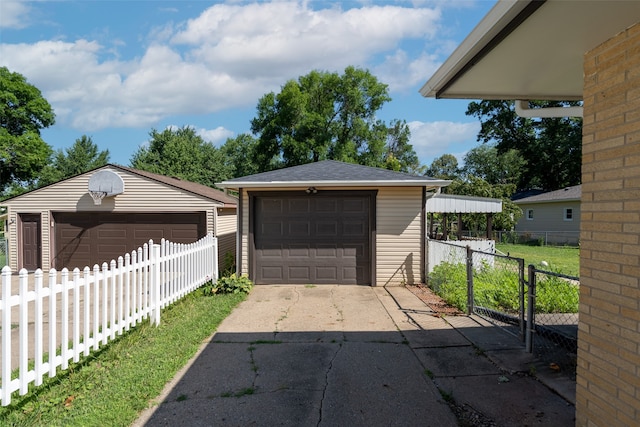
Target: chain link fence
553 337
540 308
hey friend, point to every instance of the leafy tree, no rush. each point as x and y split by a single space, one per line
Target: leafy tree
183 154
484 161
551 147
400 154
81 157
239 154
444 167
23 113
325 115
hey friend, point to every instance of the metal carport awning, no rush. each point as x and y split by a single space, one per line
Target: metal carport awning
451 203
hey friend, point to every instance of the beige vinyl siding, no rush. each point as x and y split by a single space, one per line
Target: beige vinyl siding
226 225
140 195
398 256
549 217
399 236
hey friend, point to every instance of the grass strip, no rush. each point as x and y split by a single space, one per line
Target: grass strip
111 386
560 259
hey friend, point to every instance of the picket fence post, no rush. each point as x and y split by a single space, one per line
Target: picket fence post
155 282
6 334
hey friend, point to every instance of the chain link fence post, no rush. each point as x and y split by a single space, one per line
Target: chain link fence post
531 304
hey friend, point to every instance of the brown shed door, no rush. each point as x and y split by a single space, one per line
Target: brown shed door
31 241
84 239
322 238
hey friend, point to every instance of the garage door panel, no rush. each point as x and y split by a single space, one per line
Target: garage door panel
84 239
327 273
326 206
329 244
273 206
327 251
271 229
272 274
354 205
327 229
297 206
299 251
299 274
299 228
354 229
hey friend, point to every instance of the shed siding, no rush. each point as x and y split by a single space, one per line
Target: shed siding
140 195
398 255
399 235
226 233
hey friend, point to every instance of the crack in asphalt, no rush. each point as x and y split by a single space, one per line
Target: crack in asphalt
326 383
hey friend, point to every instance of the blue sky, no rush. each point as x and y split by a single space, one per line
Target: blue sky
114 70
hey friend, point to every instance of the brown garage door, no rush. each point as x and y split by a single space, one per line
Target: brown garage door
322 238
84 239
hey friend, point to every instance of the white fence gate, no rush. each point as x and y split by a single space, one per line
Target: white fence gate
83 310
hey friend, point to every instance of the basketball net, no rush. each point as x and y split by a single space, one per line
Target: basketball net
97 196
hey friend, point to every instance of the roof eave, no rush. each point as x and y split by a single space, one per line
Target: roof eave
492 27
299 184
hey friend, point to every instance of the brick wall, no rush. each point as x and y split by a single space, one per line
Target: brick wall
608 383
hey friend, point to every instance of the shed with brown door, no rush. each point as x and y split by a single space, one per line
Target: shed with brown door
331 222
64 225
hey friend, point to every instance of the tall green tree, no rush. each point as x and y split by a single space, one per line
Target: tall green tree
324 116
444 167
551 147
484 161
23 113
239 154
184 154
81 157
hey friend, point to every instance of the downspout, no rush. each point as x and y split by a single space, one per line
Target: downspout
523 110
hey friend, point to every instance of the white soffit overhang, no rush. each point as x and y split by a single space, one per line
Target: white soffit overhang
530 50
451 203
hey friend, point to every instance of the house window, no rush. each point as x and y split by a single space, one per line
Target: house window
529 214
568 214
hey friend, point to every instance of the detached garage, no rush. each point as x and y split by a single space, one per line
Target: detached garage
102 214
331 222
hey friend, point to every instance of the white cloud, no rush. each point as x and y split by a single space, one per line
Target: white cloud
14 14
433 139
227 57
400 72
216 136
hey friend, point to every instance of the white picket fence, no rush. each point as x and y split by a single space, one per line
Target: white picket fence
84 310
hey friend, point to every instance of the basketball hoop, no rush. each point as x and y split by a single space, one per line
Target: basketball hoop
97 196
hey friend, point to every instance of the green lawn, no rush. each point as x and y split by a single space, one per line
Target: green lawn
561 259
111 386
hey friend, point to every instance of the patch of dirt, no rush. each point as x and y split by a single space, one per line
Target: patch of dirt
435 303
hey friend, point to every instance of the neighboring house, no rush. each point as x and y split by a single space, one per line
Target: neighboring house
591 55
553 216
60 225
332 223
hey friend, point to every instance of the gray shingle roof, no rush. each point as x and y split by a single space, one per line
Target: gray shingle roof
569 193
331 172
192 187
